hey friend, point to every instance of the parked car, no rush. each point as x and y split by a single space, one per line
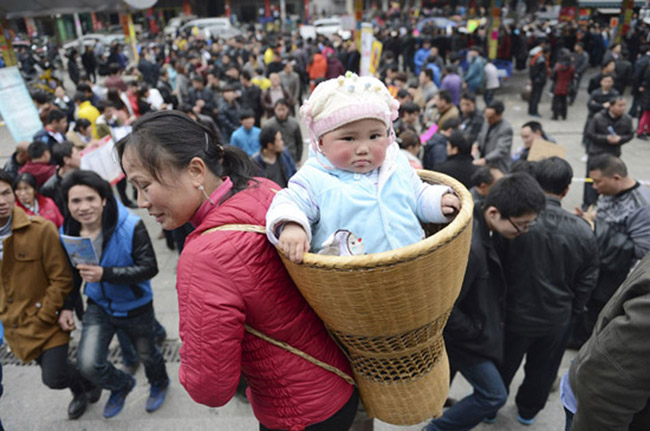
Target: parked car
91 39
174 24
328 26
215 27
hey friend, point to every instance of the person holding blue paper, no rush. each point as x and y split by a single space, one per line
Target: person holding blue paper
118 289
35 280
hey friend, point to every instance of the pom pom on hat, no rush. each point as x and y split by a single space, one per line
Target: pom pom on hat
346 99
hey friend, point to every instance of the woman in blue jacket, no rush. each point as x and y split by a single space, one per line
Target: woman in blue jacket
118 288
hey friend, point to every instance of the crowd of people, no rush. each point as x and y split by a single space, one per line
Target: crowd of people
214 129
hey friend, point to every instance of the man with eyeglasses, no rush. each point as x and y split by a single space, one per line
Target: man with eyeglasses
474 334
550 272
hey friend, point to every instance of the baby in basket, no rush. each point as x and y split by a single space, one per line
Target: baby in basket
357 193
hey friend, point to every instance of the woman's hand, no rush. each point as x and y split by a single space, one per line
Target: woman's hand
91 273
450 204
66 320
294 242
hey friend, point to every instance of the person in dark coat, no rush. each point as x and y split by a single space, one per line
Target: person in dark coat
551 272
89 62
459 160
73 67
609 378
563 76
474 333
537 79
251 96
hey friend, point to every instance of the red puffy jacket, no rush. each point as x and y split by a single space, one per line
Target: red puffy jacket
226 279
46 209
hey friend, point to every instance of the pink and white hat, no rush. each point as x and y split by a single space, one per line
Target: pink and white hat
346 99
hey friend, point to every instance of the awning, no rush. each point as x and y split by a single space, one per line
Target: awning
35 8
608 4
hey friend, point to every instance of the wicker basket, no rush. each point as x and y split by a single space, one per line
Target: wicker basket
388 311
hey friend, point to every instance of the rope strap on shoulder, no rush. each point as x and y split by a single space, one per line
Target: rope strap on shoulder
255 332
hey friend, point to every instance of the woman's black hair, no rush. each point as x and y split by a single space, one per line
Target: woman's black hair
90 179
28 178
172 139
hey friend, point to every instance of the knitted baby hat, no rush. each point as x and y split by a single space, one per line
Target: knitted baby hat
345 99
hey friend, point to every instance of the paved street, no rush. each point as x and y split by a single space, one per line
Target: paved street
28 405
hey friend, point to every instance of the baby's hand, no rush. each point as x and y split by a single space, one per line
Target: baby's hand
294 242
450 204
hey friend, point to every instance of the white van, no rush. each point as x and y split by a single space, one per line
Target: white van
216 27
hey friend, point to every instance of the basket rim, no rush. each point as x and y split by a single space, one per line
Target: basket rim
411 252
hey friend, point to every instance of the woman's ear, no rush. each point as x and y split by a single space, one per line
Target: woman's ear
197 171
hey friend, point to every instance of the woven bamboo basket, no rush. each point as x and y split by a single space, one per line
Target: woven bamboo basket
388 310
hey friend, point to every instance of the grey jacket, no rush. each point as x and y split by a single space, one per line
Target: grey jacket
610 377
291 135
496 144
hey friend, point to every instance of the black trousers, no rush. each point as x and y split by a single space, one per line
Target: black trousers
560 106
339 421
535 98
543 358
58 373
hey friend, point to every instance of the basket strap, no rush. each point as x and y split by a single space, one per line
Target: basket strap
255 332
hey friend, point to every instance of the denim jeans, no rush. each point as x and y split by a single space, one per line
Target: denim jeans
569 420
488 397
98 330
129 355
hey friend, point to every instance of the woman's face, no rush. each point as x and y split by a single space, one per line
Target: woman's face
86 205
172 201
25 193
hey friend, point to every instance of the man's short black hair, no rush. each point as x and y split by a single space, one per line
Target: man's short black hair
103 104
408 139
402 93
524 166
535 126
246 75
497 106
60 151
410 107
451 123
6 177
483 175
282 101
554 175
267 135
608 165
468 95
516 195
444 95
246 113
428 72
457 140
80 96
55 115
37 148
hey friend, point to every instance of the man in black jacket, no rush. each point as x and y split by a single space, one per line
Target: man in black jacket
551 273
459 160
474 332
537 75
607 132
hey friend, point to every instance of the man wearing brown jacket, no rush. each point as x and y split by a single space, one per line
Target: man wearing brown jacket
609 380
35 279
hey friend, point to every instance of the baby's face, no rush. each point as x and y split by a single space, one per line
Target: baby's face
358 147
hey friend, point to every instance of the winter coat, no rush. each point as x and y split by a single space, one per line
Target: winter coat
267 102
36 279
41 171
610 377
227 279
334 68
563 75
288 165
291 135
537 72
600 128
551 272
385 214
46 208
246 140
475 329
622 229
495 143
474 75
318 67
128 260
460 167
